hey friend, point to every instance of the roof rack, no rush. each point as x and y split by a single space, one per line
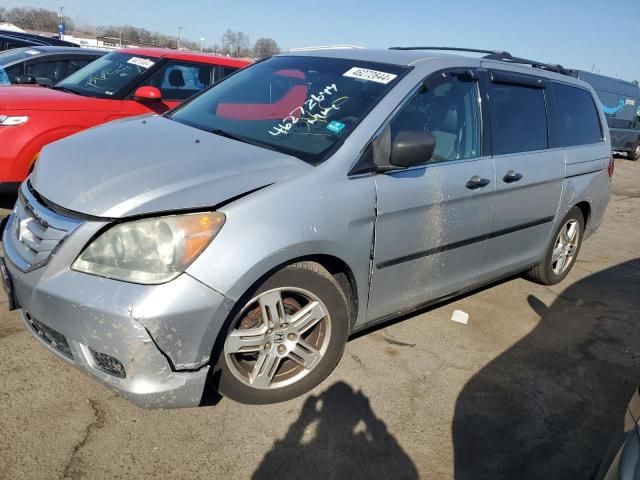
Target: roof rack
499 55
326 47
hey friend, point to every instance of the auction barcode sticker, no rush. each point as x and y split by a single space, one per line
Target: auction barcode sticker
371 75
141 62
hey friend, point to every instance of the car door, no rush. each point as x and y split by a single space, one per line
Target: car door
433 220
529 174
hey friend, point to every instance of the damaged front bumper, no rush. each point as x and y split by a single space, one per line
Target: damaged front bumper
150 343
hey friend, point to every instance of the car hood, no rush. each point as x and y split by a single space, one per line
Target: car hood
34 97
151 164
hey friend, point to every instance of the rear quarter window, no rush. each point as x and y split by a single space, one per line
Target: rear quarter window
578 122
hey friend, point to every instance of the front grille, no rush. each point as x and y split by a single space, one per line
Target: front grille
108 364
50 336
35 231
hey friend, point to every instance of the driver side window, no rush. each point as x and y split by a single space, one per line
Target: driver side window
179 81
449 109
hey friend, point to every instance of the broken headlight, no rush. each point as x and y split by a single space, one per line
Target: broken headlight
150 251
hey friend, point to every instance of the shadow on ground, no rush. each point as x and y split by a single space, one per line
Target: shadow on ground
552 405
337 435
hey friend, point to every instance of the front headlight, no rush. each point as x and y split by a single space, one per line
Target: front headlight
12 120
150 251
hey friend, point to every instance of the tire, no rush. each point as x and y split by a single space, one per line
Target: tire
267 355
549 271
635 153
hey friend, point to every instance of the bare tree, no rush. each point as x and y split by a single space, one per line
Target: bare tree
265 47
38 19
3 14
235 43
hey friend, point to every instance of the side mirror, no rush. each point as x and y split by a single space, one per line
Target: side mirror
25 80
412 148
147 93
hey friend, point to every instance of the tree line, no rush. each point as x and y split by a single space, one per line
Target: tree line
234 43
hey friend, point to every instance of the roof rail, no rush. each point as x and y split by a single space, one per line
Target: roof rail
507 57
453 49
499 55
326 47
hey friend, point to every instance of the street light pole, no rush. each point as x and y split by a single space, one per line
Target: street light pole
202 44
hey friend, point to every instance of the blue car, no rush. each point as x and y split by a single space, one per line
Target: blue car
620 102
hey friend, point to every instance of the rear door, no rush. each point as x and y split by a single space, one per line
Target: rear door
433 220
529 174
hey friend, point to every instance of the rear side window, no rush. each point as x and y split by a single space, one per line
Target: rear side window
42 70
578 120
15 71
518 118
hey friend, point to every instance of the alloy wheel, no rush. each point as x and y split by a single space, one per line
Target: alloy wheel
565 247
280 336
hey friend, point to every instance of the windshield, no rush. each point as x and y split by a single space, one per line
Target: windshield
108 76
302 106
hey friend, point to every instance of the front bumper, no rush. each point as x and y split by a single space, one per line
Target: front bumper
156 339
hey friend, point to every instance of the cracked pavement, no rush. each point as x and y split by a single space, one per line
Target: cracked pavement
535 385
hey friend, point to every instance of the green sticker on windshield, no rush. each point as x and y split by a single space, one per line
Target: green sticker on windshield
335 126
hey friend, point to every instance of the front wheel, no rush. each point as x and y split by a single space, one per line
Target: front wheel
635 153
561 252
287 338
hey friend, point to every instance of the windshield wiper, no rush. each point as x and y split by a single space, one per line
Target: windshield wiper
65 89
222 133
250 141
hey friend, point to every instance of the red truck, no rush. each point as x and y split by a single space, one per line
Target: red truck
123 83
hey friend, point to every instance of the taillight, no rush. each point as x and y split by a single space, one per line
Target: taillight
612 166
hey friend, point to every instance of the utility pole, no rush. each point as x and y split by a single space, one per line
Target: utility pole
180 28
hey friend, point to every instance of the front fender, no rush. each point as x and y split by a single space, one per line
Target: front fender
302 217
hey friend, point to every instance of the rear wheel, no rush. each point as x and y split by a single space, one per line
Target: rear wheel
562 251
287 338
635 153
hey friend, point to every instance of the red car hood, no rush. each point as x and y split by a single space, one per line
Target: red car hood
15 97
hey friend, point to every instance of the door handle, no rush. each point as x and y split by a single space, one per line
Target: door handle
511 177
476 182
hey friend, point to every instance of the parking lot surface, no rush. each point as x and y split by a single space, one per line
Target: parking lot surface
534 386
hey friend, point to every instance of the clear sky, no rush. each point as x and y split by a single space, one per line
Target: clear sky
574 33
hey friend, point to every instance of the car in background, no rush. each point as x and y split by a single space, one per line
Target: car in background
620 102
626 464
9 40
43 65
120 84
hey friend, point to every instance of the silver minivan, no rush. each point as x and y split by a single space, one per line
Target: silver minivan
236 242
